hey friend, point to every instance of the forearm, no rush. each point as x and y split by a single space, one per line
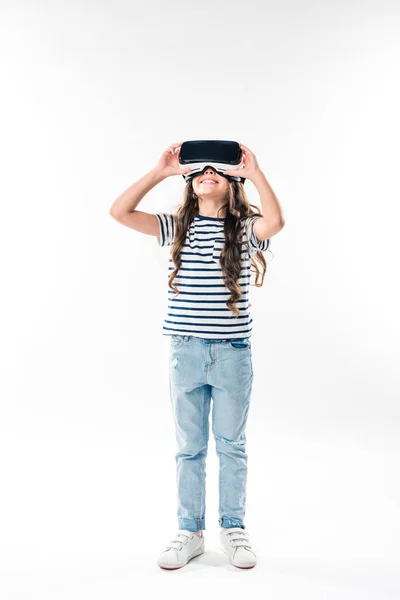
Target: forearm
270 206
130 198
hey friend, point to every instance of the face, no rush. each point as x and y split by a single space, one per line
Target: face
210 185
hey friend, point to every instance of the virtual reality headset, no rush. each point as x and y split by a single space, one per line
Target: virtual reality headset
221 155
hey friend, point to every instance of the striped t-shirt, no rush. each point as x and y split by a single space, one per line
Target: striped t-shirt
200 308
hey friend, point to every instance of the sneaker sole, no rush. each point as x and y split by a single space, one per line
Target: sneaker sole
172 568
234 564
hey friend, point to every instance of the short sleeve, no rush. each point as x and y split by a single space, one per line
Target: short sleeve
167 229
253 243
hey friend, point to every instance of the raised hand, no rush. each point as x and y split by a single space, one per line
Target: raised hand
168 163
251 166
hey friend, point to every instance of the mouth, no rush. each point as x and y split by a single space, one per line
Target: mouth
208 181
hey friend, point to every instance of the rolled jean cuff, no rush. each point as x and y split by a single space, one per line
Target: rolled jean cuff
191 524
227 522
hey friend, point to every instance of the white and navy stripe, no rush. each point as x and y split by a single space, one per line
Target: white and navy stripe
200 309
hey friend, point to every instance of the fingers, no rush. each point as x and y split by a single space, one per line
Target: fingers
173 148
176 146
245 148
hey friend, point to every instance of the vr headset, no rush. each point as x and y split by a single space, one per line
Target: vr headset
218 154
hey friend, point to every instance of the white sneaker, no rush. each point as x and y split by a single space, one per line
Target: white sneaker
185 546
235 542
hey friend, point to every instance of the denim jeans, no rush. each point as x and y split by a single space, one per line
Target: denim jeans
201 369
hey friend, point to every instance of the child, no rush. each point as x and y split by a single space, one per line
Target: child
214 235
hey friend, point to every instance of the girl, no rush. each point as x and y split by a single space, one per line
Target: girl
215 237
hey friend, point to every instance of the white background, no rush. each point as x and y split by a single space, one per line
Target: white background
92 93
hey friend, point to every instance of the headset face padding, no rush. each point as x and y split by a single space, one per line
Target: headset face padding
191 176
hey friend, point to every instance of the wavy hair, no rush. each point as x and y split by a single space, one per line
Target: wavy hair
237 207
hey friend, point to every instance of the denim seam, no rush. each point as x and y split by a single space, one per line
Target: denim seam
200 457
220 482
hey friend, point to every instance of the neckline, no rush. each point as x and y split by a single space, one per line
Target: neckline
211 218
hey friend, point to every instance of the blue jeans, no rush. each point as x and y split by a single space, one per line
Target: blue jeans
201 369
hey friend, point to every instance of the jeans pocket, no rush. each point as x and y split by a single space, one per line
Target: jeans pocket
176 341
240 344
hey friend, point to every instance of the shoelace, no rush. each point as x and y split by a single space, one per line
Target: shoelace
242 539
178 540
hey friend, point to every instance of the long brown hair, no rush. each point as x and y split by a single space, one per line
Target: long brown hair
236 207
